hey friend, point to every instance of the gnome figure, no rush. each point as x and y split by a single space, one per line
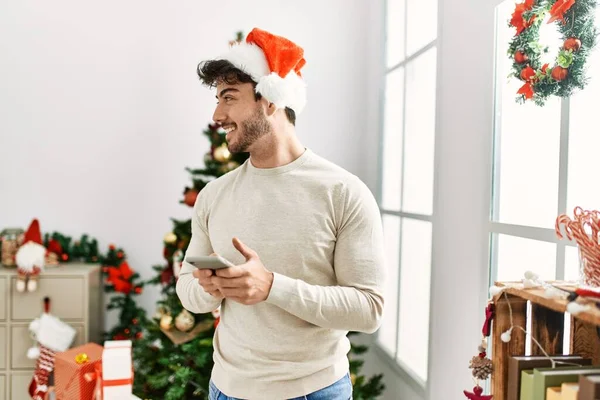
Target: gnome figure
30 258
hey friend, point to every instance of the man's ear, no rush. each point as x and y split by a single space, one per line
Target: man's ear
270 108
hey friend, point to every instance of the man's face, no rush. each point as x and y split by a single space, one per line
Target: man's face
241 116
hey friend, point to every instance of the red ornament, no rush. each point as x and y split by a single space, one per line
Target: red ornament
138 290
64 256
190 196
527 73
477 394
521 57
120 254
572 44
127 331
138 335
111 246
167 275
559 73
134 321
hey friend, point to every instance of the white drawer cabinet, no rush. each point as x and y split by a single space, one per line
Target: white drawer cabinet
3 348
3 304
3 387
76 296
19 386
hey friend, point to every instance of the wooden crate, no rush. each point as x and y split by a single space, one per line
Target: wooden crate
547 326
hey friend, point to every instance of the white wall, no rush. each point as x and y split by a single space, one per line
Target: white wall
101 109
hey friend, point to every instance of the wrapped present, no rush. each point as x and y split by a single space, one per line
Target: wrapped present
72 369
116 380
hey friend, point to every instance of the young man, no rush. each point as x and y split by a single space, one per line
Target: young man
304 234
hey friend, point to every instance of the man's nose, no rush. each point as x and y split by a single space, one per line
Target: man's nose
218 115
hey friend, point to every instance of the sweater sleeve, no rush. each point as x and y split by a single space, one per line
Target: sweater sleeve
356 303
190 293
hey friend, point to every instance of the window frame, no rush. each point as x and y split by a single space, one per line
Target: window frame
494 226
404 371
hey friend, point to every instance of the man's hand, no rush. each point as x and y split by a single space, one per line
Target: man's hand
204 278
248 283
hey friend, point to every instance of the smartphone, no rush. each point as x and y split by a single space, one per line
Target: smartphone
209 262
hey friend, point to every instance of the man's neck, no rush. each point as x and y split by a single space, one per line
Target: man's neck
276 151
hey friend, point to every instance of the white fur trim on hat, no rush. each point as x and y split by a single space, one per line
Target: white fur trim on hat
284 92
30 255
249 58
54 333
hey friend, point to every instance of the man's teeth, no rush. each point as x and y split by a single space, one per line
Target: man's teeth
229 129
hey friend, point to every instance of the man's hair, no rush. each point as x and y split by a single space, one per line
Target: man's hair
214 72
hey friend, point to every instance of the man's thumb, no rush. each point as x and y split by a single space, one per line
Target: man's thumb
242 248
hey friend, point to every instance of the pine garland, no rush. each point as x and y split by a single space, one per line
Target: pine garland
578 33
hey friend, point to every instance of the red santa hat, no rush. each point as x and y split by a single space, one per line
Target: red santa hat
33 233
274 63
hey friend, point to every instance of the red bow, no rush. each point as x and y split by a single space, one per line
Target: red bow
559 9
119 277
517 20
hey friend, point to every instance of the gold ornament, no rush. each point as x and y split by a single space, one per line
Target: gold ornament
160 311
81 358
170 238
166 322
184 321
221 153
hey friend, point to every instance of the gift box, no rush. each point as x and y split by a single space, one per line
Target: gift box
116 381
72 369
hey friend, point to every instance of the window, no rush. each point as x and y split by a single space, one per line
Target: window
406 180
544 158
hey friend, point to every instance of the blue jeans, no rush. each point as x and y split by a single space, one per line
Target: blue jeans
340 390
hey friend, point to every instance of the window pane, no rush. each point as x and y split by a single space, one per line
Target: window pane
572 266
395 31
584 140
392 140
420 134
422 24
387 332
528 141
414 295
517 255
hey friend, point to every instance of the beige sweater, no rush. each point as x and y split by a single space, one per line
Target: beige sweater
318 229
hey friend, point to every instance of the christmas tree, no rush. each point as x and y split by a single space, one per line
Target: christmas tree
173 359
124 285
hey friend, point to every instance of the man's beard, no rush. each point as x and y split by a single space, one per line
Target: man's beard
253 129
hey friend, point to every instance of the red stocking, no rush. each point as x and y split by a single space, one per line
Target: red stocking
39 383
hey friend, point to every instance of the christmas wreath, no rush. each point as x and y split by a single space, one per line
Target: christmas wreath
575 20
